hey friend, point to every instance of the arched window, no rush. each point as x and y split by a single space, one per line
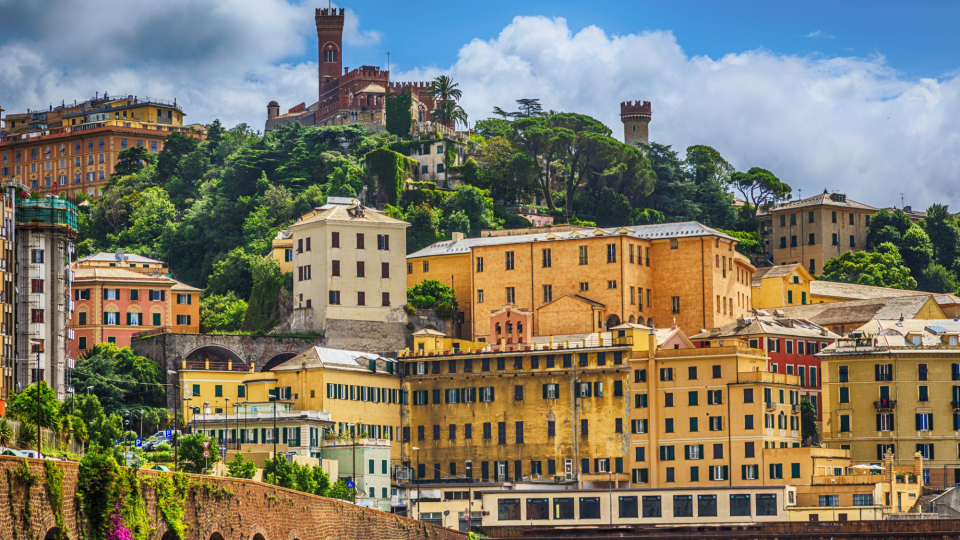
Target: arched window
330 55
634 127
498 329
509 327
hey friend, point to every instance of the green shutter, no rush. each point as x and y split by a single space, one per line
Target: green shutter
618 463
686 451
794 470
694 474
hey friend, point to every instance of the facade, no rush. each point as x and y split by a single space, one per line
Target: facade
73 149
349 262
589 280
348 96
791 346
281 250
8 266
112 303
636 121
358 393
433 156
896 387
814 230
45 232
365 462
127 261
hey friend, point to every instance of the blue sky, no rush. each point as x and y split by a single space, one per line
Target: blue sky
857 97
920 40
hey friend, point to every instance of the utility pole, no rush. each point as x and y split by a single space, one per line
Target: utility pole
418 480
176 413
274 399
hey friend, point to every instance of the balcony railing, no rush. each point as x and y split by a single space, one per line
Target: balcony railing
795 408
771 405
885 404
955 405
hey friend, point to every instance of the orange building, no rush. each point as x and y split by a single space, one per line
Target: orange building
582 280
114 303
73 148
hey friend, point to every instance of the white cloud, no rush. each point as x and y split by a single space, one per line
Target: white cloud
851 124
818 34
847 123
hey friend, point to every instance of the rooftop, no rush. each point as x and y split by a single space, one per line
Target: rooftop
824 199
781 271
119 257
858 311
908 335
322 357
853 291
661 231
758 322
353 213
115 274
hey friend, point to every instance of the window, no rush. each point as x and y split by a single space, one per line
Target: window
666 374
861 499
479 264
675 301
748 395
883 372
922 372
739 505
611 253
612 284
183 299
924 421
627 506
830 500
546 258
501 433
844 394
547 293
651 506
479 296
509 261
511 295
335 298
563 508
385 270
359 241
844 373
508 509
583 255
589 507
385 299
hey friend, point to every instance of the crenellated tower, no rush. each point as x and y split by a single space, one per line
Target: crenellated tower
636 121
329 42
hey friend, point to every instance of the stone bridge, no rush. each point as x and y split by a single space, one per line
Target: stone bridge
210 508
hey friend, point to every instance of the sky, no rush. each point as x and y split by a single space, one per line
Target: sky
857 97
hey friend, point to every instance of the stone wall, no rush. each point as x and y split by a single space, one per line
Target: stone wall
215 509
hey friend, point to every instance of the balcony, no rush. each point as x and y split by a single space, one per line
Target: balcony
885 404
795 408
955 405
771 405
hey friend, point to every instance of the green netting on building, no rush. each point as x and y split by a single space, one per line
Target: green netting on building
50 211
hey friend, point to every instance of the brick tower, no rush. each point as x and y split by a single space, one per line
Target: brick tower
329 34
636 121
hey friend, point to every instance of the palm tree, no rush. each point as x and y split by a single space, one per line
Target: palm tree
6 433
26 435
445 95
444 89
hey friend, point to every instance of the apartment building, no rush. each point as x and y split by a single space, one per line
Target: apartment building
115 300
73 149
46 229
8 265
348 263
577 280
895 385
791 346
814 230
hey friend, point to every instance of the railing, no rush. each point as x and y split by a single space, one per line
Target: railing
885 404
795 407
771 405
955 405
215 366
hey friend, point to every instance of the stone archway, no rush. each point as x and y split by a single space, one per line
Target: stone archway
52 534
639 319
277 360
216 536
632 320
216 354
612 320
169 535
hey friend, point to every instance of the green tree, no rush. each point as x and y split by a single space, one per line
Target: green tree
191 454
23 406
675 193
233 273
241 468
432 294
916 249
882 267
760 188
476 205
339 490
7 435
121 380
944 235
508 172
445 94
263 312
616 209
132 160
808 421
937 279
221 313
169 161
888 227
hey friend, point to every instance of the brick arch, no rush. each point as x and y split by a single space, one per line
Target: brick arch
258 532
278 359
217 353
294 535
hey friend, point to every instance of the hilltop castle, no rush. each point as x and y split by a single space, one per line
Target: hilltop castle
345 96
636 121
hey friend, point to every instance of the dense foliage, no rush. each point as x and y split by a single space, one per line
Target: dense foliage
882 267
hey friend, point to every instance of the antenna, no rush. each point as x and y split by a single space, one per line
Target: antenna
388 60
901 200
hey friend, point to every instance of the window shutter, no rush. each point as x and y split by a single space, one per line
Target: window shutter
491 393
598 389
544 391
163 295
619 465
878 422
663 453
686 451
726 472
596 464
932 457
918 421
700 450
930 427
743 471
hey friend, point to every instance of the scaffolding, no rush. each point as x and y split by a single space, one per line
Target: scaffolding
47 212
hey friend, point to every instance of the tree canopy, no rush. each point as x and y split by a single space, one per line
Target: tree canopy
882 267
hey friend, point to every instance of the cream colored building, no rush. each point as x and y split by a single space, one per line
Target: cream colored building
348 265
814 230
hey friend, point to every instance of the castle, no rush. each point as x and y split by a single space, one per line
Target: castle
345 96
636 121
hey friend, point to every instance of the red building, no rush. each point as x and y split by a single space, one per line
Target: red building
347 96
791 346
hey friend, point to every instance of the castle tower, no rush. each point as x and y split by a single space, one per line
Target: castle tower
273 110
636 121
329 34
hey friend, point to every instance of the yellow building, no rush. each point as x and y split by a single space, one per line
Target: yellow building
121 259
843 317
357 393
896 387
791 284
72 149
281 250
348 263
814 230
578 280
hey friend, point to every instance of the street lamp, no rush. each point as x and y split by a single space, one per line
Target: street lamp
176 413
418 480
274 397
38 344
226 425
89 388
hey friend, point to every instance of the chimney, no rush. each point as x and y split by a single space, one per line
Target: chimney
457 236
918 468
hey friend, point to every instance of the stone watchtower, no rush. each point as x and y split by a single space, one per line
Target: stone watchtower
329 37
273 110
636 121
